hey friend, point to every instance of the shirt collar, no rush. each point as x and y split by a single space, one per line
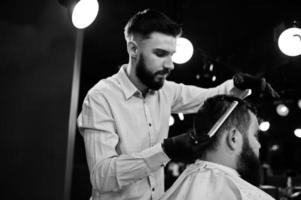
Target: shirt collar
126 84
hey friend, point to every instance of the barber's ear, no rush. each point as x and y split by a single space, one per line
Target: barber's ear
234 139
132 48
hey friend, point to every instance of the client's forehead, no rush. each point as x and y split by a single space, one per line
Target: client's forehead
254 123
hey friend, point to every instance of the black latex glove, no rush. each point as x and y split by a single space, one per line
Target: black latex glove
185 147
256 84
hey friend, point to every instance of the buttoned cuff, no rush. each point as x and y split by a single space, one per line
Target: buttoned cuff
155 157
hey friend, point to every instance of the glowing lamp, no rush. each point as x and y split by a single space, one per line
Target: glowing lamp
289 41
171 120
297 132
282 110
299 103
264 126
184 51
84 13
181 116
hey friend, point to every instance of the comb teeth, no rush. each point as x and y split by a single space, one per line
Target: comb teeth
222 119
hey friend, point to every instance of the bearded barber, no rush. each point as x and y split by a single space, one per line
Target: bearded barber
124 118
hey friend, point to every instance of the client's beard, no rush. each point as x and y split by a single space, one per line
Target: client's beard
248 165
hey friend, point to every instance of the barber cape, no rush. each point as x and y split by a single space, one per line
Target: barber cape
207 180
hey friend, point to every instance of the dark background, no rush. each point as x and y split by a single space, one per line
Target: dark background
37 44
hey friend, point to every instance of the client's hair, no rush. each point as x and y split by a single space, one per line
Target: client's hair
214 108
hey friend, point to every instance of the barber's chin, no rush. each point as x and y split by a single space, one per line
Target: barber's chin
161 81
157 85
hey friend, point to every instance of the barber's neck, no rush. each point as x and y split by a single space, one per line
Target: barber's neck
131 73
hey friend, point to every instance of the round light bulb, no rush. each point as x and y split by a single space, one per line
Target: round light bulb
274 147
184 51
289 41
297 132
181 116
171 120
84 13
282 110
264 126
299 103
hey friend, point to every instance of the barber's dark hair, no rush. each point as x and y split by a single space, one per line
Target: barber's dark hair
213 108
148 21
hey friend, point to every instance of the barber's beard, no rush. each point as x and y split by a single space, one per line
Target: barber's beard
249 165
147 77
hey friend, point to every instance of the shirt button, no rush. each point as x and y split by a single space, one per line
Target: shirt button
153 189
150 124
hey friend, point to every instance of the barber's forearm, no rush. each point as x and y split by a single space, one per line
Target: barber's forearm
116 172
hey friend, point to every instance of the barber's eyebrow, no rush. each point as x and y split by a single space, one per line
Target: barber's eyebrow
162 51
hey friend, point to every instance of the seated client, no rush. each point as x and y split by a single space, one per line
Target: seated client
228 167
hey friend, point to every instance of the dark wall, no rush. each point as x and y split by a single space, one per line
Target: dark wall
36 60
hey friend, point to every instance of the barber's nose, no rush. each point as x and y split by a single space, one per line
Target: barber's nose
259 145
168 64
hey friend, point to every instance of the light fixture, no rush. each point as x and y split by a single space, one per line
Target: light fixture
299 103
213 78
174 168
289 41
297 132
84 13
274 147
184 51
282 110
264 126
171 120
211 66
181 116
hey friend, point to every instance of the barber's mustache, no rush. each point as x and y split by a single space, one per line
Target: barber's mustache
164 72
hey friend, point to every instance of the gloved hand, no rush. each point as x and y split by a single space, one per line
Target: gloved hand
185 147
256 84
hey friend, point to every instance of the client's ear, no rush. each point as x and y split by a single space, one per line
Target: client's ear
132 48
234 139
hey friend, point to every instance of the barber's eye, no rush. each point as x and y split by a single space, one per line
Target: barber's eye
161 53
257 135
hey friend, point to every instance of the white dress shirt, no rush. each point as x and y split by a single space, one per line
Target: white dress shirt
211 181
123 131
